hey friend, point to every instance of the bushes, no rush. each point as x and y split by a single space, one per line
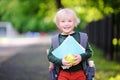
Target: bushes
117 77
105 70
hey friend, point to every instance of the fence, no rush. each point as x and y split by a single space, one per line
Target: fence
105 34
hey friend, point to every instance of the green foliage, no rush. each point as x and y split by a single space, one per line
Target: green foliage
28 15
105 70
37 15
117 77
89 10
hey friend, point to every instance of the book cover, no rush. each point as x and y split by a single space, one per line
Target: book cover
69 45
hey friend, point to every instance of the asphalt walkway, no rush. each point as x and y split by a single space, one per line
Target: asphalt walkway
24 62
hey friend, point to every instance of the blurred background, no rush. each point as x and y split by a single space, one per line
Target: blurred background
26 27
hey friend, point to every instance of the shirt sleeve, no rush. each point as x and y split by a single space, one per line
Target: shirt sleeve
52 58
87 54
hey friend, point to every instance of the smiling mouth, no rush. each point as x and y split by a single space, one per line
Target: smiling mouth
66 27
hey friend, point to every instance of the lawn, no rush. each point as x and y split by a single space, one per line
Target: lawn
105 69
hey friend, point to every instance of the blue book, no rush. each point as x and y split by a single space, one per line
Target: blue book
69 46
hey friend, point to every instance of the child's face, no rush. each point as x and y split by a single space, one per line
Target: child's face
66 23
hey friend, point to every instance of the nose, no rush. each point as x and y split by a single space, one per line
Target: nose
66 23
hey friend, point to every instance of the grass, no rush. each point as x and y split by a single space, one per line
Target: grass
105 69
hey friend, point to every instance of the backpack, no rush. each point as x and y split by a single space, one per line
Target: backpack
89 71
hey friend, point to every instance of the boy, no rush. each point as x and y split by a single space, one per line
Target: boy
66 20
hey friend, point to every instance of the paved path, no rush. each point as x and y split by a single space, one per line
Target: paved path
24 62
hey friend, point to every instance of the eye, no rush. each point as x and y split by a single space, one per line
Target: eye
63 21
69 20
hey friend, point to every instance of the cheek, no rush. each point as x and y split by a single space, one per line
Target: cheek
59 25
73 25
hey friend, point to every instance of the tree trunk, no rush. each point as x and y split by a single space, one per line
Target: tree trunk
59 4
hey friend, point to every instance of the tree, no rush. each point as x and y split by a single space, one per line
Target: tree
28 15
37 15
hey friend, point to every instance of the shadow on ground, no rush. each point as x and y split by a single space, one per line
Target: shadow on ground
29 63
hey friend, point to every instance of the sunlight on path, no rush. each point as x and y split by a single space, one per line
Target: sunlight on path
24 41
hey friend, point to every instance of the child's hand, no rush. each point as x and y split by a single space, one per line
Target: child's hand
77 59
50 66
66 63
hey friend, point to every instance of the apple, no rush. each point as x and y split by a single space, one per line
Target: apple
70 57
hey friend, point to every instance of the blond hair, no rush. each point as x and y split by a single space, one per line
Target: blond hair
67 11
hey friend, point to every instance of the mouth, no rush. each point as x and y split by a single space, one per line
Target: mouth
66 28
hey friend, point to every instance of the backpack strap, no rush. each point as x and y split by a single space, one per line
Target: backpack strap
55 41
83 39
83 42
